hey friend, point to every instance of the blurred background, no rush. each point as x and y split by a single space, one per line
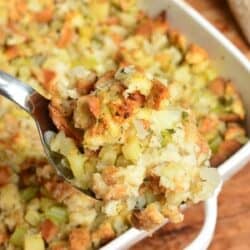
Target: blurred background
233 226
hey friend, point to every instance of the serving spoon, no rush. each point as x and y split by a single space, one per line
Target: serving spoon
37 106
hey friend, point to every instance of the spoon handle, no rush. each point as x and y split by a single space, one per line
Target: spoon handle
16 91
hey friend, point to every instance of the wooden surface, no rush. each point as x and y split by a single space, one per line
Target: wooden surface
218 13
233 226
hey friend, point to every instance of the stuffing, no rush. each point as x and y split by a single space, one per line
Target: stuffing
148 217
79 239
141 115
171 155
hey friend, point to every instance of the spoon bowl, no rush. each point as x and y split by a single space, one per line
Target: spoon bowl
37 106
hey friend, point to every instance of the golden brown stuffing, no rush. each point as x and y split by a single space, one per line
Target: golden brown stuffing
196 54
208 124
12 52
79 239
104 233
117 192
48 230
226 149
153 185
84 86
234 131
45 15
66 36
94 106
158 93
230 117
177 38
3 237
147 217
47 80
120 84
148 25
109 175
5 175
217 86
59 246
59 190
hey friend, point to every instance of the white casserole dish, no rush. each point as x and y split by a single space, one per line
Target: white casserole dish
231 64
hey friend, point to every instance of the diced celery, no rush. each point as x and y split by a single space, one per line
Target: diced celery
29 193
132 149
211 74
185 115
33 242
17 238
46 203
58 214
214 144
219 109
67 148
166 137
77 161
121 161
150 197
33 217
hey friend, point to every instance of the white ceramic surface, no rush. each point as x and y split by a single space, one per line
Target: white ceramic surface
231 64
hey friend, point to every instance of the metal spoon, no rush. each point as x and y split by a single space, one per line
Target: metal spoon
37 106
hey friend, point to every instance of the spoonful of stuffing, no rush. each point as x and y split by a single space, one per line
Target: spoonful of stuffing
123 139
38 107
